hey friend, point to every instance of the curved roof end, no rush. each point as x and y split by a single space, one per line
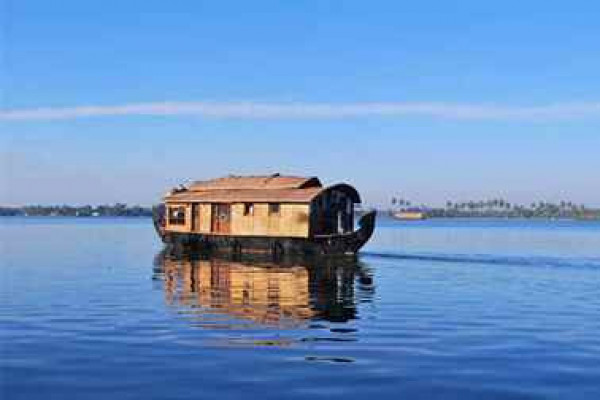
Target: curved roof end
344 187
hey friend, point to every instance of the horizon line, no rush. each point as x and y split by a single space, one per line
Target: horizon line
308 110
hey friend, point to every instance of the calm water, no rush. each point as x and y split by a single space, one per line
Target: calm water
436 309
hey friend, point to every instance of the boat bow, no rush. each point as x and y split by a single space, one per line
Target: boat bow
348 243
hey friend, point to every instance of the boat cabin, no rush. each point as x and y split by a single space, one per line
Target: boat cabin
261 206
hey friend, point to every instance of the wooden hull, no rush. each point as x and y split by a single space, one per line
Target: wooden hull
338 244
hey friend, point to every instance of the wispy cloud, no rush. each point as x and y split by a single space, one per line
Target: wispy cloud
258 110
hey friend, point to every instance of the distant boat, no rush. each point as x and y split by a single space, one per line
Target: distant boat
409 215
281 214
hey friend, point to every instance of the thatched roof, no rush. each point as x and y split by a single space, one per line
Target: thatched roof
247 196
274 181
257 189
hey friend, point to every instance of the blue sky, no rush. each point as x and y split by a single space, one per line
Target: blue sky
424 100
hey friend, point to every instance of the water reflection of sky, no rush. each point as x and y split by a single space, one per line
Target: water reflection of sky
81 317
490 237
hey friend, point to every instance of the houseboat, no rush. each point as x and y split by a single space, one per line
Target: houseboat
410 215
274 213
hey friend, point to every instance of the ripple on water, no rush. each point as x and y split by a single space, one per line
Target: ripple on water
105 318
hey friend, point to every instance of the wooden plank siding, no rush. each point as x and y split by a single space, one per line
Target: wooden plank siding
205 215
291 221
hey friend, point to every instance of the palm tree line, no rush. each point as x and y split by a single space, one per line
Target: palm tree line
498 207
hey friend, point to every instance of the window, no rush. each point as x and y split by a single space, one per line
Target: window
177 215
273 208
248 209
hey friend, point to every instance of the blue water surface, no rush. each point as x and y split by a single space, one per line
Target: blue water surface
436 309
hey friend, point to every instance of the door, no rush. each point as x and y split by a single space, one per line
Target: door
221 218
195 217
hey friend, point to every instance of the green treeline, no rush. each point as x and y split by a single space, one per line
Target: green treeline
114 210
500 208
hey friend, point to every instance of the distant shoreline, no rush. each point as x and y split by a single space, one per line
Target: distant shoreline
436 215
86 211
385 215
492 208
472 210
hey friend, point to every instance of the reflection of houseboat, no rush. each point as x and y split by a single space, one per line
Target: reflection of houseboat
263 291
282 214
